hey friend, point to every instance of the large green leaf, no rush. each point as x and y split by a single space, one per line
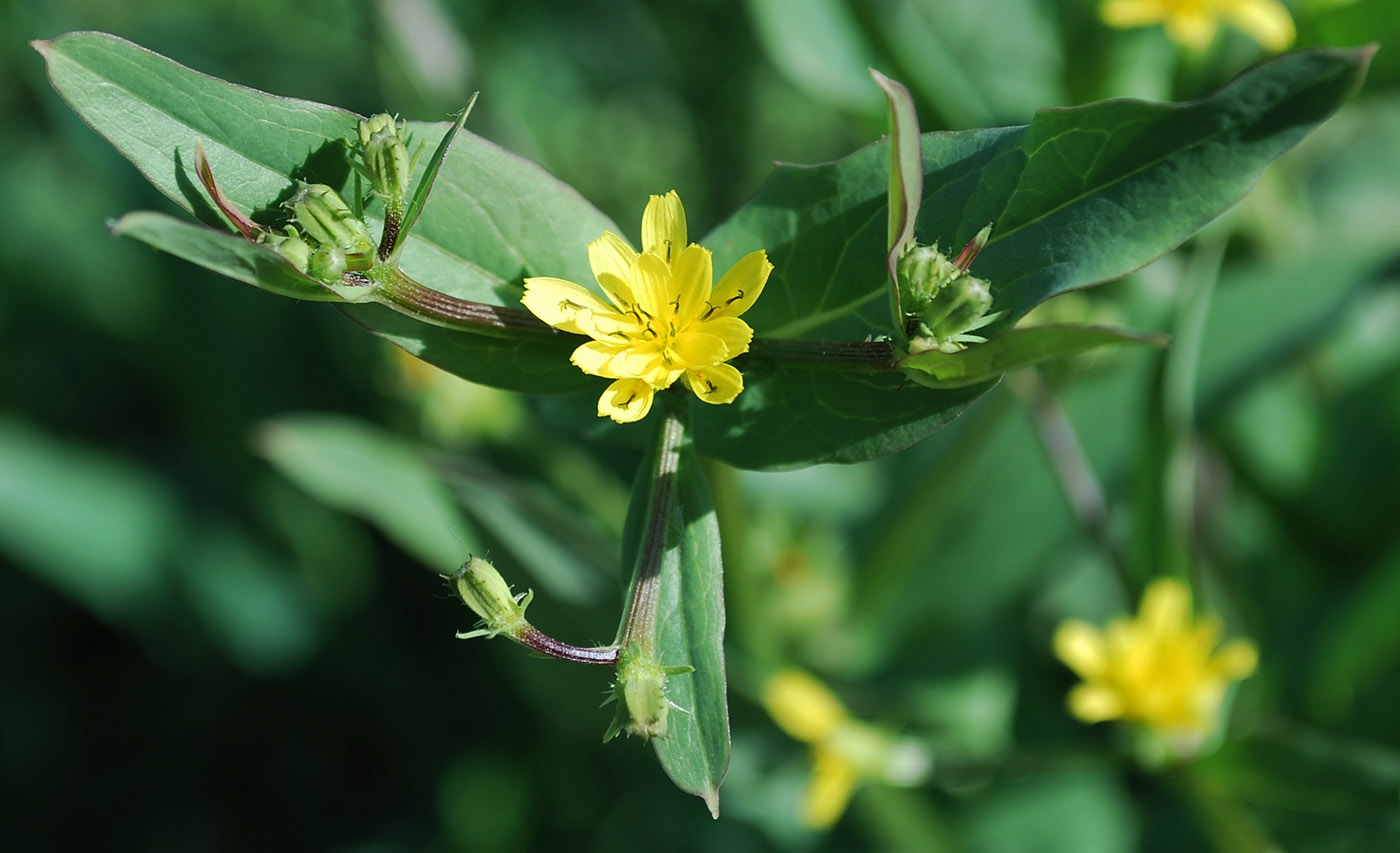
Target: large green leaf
1078 197
493 217
689 602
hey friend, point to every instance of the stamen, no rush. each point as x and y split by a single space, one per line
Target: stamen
731 300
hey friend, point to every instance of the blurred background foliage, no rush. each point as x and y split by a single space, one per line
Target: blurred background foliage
216 507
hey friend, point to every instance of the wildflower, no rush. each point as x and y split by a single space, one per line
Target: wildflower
1161 670
844 750
1193 23
662 321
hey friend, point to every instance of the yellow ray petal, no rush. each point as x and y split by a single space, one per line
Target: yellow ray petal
695 349
663 227
741 285
599 359
833 781
618 290
802 706
558 303
693 274
1236 659
610 254
626 400
735 333
1166 607
1132 13
1094 703
1081 646
1265 21
652 286
1193 29
719 384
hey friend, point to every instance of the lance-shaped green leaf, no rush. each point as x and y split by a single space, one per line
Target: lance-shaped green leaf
1014 350
677 592
494 217
1079 196
906 180
425 183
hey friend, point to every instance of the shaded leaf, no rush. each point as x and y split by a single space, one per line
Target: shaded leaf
380 477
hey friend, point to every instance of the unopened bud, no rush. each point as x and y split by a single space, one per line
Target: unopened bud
641 685
328 264
325 218
488 595
384 151
289 246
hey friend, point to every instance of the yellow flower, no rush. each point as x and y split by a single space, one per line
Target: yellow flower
1193 23
1162 669
663 320
844 750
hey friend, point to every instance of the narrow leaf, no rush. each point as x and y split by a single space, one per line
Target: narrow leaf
1014 350
425 183
689 601
221 252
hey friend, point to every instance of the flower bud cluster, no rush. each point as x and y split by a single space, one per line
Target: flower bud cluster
384 158
941 301
340 238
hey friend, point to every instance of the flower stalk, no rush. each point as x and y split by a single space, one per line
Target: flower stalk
482 588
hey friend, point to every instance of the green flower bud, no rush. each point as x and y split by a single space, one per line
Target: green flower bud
488 595
328 264
384 150
289 246
641 685
328 220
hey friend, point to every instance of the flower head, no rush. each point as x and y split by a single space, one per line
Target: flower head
1193 23
844 750
1161 669
664 319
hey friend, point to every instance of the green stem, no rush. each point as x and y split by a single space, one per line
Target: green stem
639 622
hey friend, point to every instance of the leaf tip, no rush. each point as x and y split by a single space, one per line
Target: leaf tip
711 798
42 46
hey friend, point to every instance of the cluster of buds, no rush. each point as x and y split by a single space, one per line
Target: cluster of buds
384 161
341 239
942 303
327 238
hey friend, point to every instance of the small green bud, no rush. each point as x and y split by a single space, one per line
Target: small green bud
328 220
384 150
488 595
328 264
641 685
289 246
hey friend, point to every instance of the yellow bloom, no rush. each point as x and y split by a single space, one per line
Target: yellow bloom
844 750
663 319
1193 23
1162 669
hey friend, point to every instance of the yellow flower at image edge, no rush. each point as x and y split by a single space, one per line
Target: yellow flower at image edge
664 319
1193 23
1161 669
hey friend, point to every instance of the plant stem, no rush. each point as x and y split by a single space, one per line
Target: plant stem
1072 468
639 622
541 642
